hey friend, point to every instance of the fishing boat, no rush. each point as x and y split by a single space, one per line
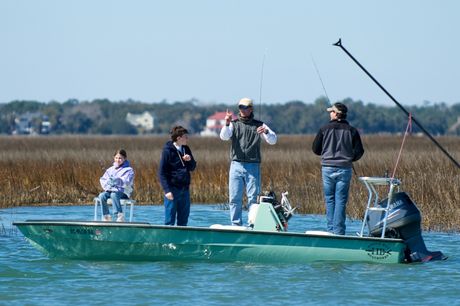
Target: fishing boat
390 233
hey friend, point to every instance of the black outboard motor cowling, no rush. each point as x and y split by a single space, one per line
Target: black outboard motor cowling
403 222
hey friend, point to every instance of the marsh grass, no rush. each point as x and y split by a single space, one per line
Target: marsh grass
65 170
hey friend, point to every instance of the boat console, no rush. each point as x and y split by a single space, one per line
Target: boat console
269 214
396 216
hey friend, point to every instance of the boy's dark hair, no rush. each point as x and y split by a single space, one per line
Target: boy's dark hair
178 131
341 115
122 152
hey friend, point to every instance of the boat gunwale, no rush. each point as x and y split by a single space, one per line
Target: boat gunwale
196 228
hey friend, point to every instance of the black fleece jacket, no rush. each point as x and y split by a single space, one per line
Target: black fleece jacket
338 143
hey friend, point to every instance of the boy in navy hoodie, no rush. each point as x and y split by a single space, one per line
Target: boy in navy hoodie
175 166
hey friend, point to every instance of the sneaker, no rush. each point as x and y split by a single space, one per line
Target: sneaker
121 217
107 218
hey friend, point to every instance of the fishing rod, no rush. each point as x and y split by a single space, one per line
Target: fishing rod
339 44
321 79
260 86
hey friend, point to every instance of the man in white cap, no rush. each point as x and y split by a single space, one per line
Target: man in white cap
339 145
246 134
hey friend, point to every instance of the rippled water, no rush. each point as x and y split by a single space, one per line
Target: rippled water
29 278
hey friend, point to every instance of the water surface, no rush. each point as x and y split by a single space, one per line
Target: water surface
29 278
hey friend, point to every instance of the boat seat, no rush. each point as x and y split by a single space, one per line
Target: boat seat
123 202
231 227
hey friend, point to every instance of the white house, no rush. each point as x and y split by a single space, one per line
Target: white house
32 123
455 128
144 121
214 124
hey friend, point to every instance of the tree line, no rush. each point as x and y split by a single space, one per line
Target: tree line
102 116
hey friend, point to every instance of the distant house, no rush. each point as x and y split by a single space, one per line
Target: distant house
455 128
31 123
145 121
45 125
214 124
22 125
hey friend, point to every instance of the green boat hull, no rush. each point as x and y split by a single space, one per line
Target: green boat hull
146 242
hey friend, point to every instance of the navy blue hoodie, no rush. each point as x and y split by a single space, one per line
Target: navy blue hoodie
174 171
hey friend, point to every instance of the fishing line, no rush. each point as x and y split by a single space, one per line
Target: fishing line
260 86
321 79
408 129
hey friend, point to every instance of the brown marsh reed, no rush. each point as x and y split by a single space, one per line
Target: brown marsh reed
65 170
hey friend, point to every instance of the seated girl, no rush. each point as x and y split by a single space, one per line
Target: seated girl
117 183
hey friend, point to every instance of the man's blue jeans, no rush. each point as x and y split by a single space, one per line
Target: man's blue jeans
179 206
241 175
115 196
336 185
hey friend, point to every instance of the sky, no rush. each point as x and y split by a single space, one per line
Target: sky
220 51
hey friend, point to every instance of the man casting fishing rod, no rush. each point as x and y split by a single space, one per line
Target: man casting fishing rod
245 134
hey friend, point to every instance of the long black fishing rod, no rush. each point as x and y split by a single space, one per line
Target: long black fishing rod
339 44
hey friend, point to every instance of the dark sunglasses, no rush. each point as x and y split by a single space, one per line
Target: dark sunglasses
244 107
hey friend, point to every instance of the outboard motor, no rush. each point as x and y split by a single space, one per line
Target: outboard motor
403 222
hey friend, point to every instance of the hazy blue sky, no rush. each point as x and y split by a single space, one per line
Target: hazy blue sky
213 50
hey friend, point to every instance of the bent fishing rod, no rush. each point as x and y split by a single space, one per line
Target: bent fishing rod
339 44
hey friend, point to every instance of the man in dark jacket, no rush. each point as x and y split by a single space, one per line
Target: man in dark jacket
339 144
175 166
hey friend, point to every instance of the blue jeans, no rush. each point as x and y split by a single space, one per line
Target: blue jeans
242 174
115 196
179 206
336 184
